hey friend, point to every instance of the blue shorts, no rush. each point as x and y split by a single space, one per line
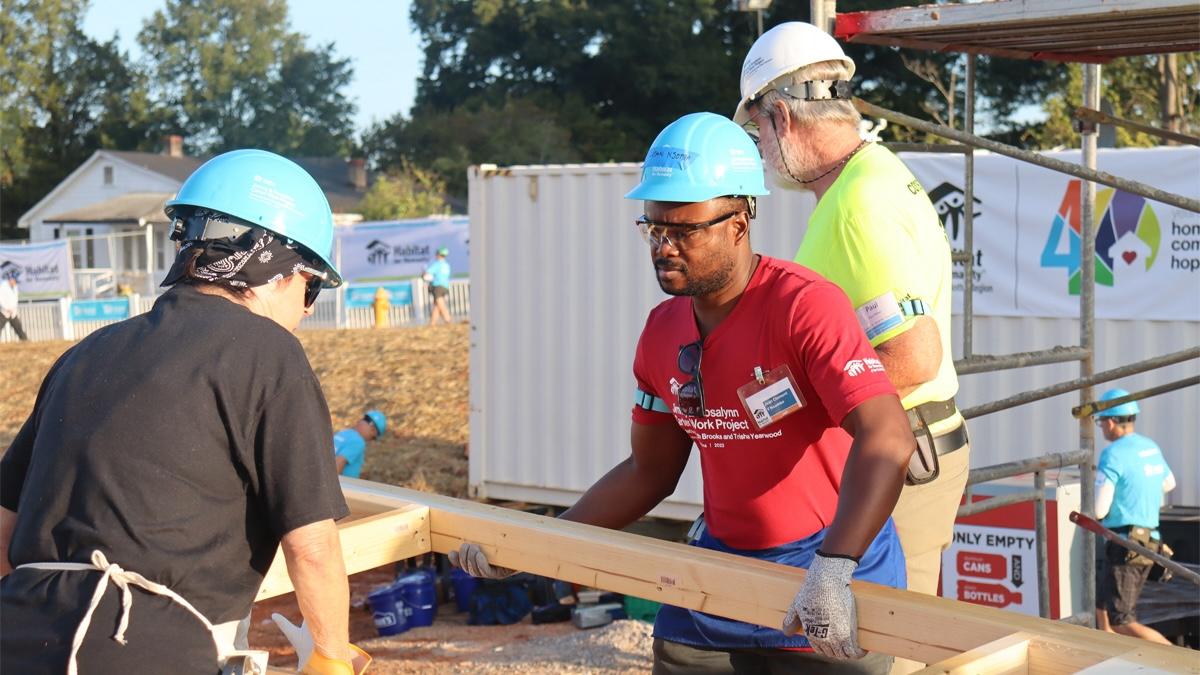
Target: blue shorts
883 563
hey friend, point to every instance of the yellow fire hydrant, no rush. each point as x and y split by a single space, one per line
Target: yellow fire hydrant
381 305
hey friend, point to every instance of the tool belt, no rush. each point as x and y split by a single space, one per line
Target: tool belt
1143 536
924 467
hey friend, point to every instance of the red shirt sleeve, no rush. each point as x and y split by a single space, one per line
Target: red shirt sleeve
641 374
840 363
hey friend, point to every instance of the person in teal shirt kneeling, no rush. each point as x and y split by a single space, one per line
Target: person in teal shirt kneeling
350 445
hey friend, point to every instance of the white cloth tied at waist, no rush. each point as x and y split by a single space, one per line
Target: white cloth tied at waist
222 634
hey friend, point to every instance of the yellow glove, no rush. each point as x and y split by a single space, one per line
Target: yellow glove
319 664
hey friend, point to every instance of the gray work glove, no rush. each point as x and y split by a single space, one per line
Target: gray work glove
473 561
825 608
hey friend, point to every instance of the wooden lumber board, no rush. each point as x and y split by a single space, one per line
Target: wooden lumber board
1064 30
1007 656
1010 15
922 628
391 533
1022 653
1121 666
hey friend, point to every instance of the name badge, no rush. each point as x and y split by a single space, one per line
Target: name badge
880 315
771 396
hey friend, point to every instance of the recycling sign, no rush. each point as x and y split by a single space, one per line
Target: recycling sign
993 566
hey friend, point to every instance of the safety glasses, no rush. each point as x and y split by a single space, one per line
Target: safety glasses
312 284
690 398
681 236
751 127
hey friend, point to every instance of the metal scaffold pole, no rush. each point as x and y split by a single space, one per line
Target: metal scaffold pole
969 217
1069 168
823 13
1087 316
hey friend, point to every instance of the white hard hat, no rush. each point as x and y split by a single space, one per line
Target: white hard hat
784 49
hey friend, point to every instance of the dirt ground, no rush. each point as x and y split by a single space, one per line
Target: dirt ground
418 376
450 645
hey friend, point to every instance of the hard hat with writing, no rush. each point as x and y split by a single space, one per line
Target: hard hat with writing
784 49
378 419
1127 409
699 157
261 189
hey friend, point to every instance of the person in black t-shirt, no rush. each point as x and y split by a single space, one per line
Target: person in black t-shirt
168 456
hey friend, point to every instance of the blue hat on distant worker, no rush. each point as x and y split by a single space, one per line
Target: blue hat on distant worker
378 419
1126 409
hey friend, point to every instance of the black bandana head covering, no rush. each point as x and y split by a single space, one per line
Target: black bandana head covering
251 259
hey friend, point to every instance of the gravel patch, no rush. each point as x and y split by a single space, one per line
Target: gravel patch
620 647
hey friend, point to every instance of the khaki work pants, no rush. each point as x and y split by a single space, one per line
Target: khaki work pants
924 518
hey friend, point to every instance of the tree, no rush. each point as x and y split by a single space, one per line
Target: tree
516 81
236 76
512 81
64 95
606 77
518 131
409 192
1133 85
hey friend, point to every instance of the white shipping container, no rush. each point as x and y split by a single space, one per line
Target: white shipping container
561 284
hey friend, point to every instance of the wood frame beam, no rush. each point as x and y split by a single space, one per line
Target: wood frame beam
386 534
1007 656
899 623
1060 30
1024 653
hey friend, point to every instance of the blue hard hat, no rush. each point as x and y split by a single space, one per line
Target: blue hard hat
269 191
699 157
378 419
1127 409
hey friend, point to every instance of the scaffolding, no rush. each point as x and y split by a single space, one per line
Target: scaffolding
1060 30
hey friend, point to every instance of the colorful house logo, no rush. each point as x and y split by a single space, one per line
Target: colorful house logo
1127 236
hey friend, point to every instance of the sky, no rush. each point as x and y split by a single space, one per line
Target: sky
375 35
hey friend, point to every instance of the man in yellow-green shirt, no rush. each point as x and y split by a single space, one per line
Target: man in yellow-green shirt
876 235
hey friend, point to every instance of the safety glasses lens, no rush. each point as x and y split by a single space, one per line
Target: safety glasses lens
313 282
690 399
689 359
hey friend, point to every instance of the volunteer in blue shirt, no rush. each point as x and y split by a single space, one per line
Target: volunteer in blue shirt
1130 484
350 445
438 277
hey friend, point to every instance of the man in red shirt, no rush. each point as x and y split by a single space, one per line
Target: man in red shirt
762 365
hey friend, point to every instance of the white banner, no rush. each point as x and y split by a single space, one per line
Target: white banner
41 270
401 249
1026 234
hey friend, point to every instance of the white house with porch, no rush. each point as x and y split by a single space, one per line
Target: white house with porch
111 207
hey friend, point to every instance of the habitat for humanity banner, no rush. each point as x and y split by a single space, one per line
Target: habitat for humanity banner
41 270
401 249
1027 234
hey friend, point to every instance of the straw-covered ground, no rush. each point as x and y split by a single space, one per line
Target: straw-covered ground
418 376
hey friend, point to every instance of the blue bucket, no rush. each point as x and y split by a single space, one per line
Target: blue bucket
419 596
464 588
387 608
